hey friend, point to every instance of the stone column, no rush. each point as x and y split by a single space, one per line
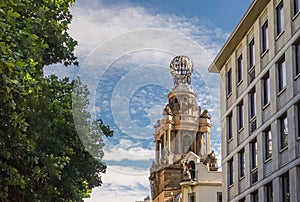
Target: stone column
207 142
156 152
202 144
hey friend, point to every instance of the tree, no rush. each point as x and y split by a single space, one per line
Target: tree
33 162
66 169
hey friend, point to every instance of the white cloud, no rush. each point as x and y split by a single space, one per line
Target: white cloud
122 184
142 44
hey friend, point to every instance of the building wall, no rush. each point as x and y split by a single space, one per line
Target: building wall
203 193
285 101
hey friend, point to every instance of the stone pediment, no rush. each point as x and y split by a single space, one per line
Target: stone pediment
191 156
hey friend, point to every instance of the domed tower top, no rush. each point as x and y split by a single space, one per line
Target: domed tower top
181 68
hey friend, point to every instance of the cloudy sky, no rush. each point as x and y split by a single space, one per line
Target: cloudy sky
124 51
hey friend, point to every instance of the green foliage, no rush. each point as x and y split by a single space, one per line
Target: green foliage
41 156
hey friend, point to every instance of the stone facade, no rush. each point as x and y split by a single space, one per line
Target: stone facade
260 104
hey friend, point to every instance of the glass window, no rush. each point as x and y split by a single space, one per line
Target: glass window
229 126
298 110
285 182
219 196
266 90
242 163
192 197
229 82
239 69
240 120
230 172
297 46
269 192
280 18
268 143
254 196
251 53
252 104
281 74
284 131
254 154
265 37
296 6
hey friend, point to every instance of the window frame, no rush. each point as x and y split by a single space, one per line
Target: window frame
269 191
279 18
297 57
230 172
241 163
254 196
265 37
281 67
298 119
254 154
266 90
285 187
268 143
296 7
283 137
229 82
251 47
253 104
229 127
239 75
240 117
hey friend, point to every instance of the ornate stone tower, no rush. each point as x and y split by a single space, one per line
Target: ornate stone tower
183 128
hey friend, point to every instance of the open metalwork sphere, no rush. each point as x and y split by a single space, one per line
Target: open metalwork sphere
181 68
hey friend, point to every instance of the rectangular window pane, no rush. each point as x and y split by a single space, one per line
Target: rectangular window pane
230 170
284 131
252 104
296 6
298 109
269 192
239 69
254 196
219 196
266 91
298 57
265 37
251 53
242 163
280 18
268 143
254 154
229 82
192 197
282 74
285 181
240 116
229 126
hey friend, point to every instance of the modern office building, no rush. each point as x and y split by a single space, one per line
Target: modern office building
259 69
182 139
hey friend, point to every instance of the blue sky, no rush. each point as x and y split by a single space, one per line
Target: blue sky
124 51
